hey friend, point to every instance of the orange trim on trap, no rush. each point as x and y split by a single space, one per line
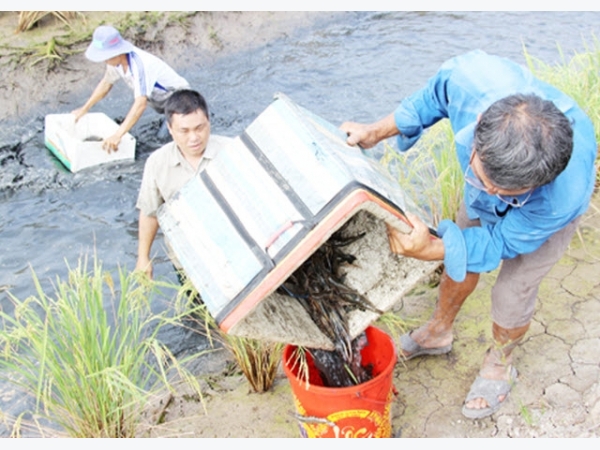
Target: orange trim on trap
330 223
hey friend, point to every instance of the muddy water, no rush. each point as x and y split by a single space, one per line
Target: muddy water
354 66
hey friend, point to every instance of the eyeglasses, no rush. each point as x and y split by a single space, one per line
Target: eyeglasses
474 181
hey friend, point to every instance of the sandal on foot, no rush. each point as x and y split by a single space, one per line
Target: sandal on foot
489 390
411 349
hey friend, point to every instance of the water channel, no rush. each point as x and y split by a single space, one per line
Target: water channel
351 66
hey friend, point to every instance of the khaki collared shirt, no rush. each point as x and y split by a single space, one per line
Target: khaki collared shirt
165 173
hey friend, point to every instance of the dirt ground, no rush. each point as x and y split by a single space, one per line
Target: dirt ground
558 393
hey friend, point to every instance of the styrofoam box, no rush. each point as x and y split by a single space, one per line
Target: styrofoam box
79 145
266 203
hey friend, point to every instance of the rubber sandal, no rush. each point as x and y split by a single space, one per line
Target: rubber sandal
411 349
489 390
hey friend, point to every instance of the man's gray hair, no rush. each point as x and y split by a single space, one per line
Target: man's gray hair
523 142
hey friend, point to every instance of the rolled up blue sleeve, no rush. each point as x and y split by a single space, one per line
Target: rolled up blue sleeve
423 109
455 250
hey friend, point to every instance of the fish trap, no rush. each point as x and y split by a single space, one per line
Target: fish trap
266 203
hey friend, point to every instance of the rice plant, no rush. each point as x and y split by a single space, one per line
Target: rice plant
257 359
89 356
578 77
396 324
429 173
189 305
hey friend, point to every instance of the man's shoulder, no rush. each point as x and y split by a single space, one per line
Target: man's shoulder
146 58
478 58
139 52
162 155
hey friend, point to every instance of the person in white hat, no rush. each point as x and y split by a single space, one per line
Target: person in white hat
151 79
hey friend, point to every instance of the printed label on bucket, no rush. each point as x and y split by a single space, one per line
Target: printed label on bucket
351 423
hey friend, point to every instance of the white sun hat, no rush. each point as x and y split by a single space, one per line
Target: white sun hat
107 43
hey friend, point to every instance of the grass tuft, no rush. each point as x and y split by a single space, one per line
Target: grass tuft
578 77
430 173
89 356
395 324
142 28
29 19
257 359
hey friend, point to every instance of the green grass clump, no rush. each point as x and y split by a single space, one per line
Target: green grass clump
90 356
396 324
257 359
142 28
430 173
578 77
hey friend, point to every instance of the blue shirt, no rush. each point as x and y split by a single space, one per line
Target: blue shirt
463 88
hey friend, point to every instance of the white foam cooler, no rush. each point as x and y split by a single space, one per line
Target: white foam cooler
264 205
78 145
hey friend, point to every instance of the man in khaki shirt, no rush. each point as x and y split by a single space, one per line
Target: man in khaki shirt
171 166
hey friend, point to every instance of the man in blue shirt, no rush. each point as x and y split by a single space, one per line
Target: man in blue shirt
527 151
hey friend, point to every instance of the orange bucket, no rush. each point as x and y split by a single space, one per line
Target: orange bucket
359 411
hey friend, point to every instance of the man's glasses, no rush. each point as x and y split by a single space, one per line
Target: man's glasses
474 181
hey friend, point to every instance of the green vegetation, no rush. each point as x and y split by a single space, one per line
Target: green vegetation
29 19
77 31
53 51
395 324
90 357
430 173
526 414
257 359
214 37
578 77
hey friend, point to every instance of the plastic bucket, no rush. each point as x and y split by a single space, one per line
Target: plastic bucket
359 411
